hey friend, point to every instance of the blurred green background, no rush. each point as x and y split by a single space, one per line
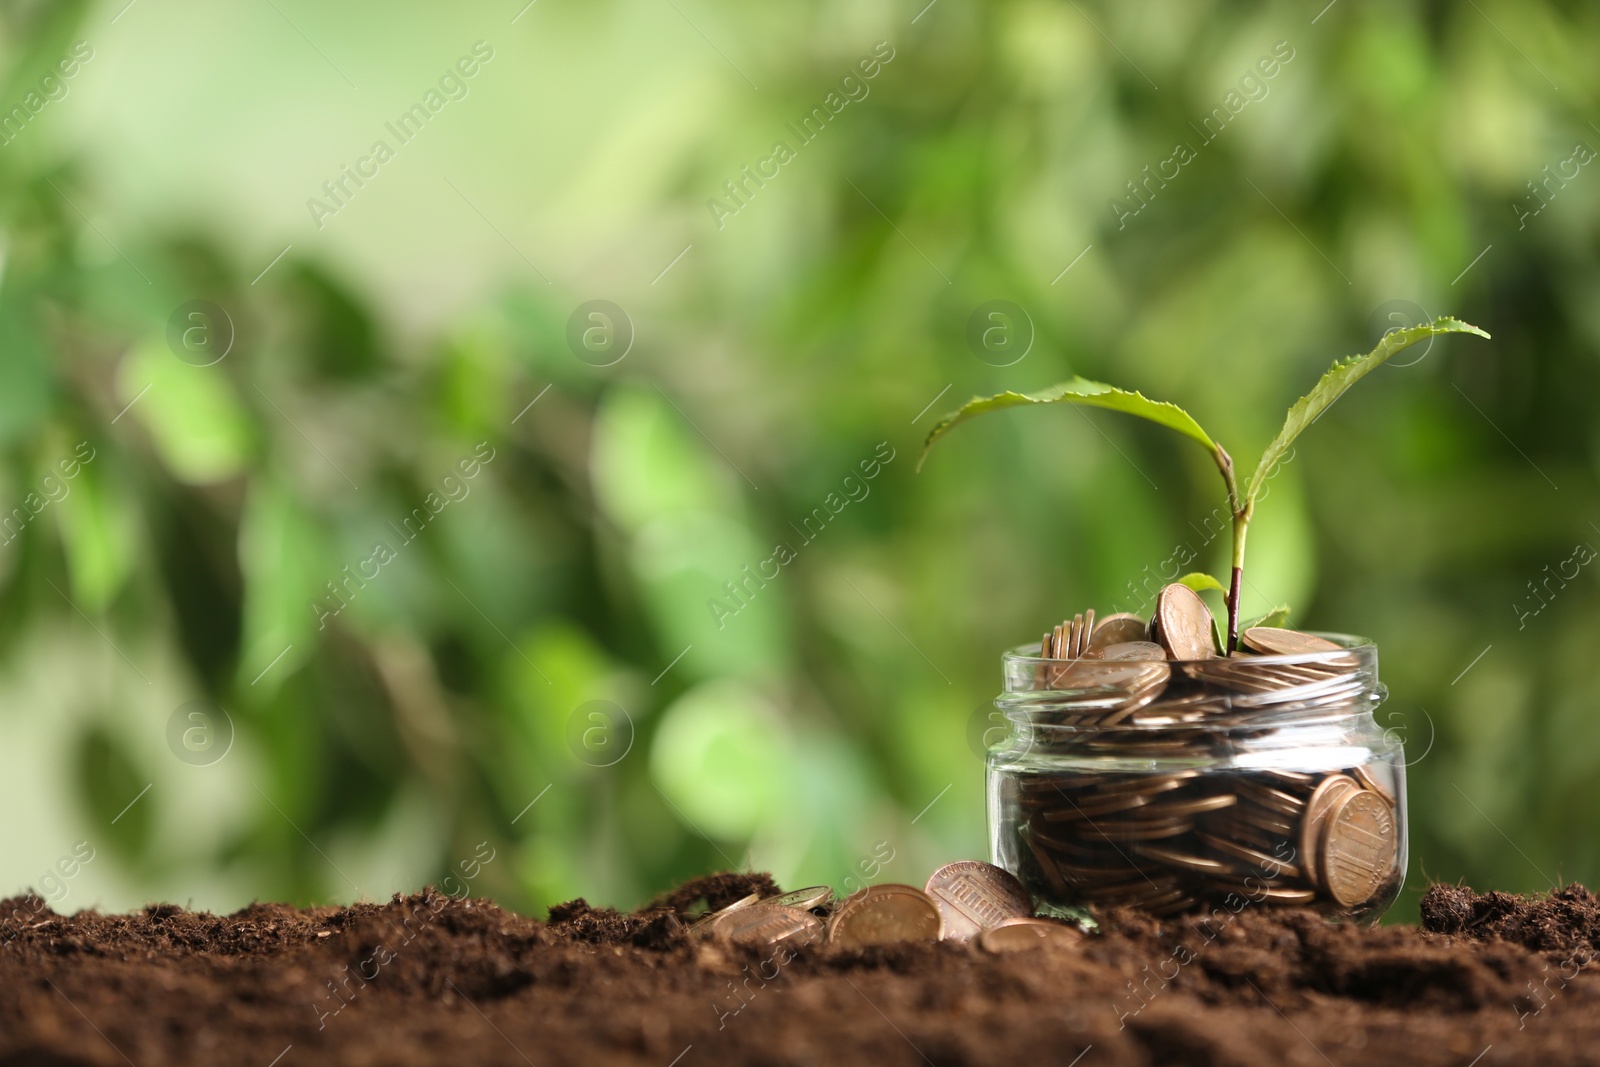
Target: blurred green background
536 661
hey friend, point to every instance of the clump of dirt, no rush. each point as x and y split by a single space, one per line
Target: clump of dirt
427 978
714 891
1564 920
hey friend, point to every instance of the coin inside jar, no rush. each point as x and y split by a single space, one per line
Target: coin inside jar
1358 848
1117 629
884 915
1183 623
1133 650
1333 788
973 896
1276 641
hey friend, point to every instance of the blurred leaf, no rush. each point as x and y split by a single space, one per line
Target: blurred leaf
113 786
286 574
25 387
559 668
1336 380
1075 391
684 565
336 332
719 756
44 40
471 390
191 413
648 462
99 530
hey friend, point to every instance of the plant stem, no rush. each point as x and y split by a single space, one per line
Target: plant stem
1242 510
1241 526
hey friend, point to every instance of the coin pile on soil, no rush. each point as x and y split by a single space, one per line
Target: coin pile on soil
426 979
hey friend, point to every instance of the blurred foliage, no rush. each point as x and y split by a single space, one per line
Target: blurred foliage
537 661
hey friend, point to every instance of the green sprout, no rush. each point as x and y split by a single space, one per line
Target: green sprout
1333 384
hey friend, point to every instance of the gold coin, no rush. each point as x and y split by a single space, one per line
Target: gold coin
884 915
1273 799
1314 820
1019 935
1262 819
1359 847
1185 624
973 896
1133 650
1173 809
805 899
1374 783
1275 641
1269 866
1293 778
1134 677
1085 808
1135 889
1145 784
1134 830
703 924
765 925
1290 896
1178 859
1118 629
1047 867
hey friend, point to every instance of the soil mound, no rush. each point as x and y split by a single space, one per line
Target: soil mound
1489 979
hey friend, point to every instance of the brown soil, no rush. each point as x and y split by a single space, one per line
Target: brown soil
426 980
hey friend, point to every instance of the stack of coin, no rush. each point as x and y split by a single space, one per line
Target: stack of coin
962 901
1172 842
1171 673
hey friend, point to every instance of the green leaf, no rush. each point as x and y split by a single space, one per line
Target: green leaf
1076 391
193 415
1200 581
1278 616
99 527
1340 377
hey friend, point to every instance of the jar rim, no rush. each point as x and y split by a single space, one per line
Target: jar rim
1028 654
1214 696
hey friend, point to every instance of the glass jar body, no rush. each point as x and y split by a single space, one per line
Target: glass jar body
1200 798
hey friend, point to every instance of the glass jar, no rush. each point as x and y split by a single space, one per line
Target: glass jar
1182 786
